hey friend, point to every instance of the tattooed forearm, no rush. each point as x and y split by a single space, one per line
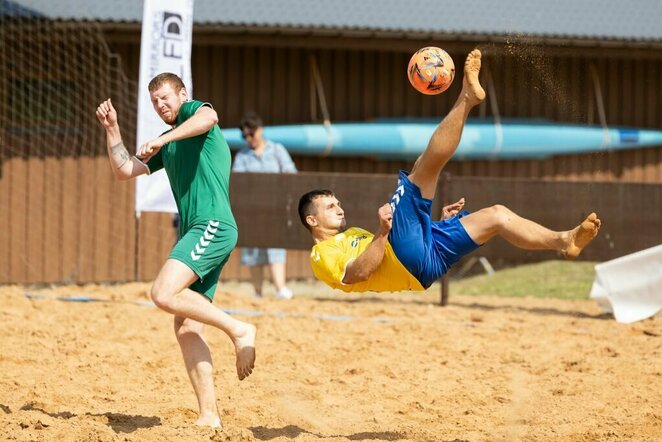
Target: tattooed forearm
119 154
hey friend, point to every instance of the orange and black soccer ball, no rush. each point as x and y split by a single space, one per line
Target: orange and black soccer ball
431 70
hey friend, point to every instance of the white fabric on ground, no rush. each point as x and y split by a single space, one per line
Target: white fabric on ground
630 286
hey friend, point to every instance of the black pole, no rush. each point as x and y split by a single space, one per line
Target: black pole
444 291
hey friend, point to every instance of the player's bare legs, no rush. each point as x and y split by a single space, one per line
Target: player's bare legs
487 223
278 275
197 359
446 137
170 293
257 279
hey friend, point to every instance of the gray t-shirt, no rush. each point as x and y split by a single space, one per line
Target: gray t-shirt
274 159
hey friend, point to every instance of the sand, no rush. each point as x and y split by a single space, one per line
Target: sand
330 367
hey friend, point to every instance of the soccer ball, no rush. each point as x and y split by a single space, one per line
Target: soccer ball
431 70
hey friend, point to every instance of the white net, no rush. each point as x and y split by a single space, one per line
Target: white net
63 217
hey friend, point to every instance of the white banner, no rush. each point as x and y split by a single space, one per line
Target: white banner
630 286
165 46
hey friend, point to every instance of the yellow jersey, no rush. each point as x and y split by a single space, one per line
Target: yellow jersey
329 261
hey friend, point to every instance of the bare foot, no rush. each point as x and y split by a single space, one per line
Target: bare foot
471 88
581 236
212 420
244 345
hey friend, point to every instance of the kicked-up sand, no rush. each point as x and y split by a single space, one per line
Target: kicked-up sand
329 367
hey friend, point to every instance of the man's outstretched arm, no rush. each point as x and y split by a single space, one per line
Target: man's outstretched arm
124 165
365 265
201 122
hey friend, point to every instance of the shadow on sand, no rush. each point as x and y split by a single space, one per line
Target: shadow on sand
120 423
292 432
543 311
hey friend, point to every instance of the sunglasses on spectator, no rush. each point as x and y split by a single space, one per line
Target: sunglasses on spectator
248 133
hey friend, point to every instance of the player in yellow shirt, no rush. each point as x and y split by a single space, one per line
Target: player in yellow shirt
410 251
330 258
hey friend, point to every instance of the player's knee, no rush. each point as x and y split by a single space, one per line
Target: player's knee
161 298
501 215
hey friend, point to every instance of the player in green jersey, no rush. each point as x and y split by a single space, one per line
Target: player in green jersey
197 160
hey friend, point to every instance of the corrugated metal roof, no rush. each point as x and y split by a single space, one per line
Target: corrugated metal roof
635 20
12 9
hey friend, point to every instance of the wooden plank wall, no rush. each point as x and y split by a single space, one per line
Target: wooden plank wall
643 165
64 219
83 229
364 83
631 213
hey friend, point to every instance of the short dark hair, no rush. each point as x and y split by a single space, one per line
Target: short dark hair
250 121
306 203
163 78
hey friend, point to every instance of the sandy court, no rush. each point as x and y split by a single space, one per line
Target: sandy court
332 368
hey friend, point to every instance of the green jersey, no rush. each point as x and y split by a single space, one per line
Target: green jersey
198 169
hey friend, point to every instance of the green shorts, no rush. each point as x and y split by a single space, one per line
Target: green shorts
205 248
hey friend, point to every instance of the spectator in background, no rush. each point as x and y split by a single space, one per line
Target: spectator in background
263 156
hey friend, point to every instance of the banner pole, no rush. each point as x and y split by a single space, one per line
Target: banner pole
136 245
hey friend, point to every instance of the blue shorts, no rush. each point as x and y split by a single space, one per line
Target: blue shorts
257 257
426 248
